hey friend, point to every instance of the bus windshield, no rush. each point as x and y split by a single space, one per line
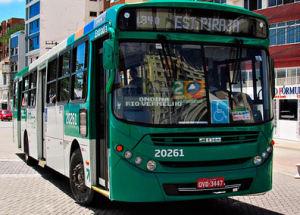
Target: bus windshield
166 83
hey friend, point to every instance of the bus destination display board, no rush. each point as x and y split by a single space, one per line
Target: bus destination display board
191 21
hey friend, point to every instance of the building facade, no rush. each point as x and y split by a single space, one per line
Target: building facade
6 28
284 20
50 22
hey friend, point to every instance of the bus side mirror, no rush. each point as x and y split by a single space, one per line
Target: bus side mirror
272 76
110 56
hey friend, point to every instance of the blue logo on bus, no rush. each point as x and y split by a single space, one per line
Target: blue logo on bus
219 111
193 87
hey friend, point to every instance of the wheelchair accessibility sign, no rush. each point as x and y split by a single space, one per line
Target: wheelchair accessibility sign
219 111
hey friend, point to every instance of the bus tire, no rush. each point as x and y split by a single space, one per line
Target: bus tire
82 194
29 160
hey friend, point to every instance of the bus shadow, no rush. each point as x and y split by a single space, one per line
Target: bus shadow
218 206
57 179
102 205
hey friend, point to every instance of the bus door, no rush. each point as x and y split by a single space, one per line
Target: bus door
101 116
42 113
17 111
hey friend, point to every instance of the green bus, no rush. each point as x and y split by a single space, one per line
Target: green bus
153 101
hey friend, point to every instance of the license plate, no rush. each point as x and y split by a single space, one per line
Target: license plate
203 183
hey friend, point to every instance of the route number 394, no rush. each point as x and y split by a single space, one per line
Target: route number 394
168 153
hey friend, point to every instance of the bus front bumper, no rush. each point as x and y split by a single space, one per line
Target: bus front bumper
131 184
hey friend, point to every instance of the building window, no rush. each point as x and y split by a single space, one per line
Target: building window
273 3
253 4
4 79
285 33
34 10
93 13
288 76
288 109
34 26
34 43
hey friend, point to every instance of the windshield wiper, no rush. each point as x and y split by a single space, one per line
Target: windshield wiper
237 63
167 55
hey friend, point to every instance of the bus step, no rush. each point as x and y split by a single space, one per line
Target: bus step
101 191
42 163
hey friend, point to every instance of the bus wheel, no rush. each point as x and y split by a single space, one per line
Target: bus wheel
83 195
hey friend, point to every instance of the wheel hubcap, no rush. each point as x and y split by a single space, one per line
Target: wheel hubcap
78 177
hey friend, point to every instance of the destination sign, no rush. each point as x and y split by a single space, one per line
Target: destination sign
192 21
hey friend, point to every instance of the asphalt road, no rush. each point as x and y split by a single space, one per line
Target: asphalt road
36 190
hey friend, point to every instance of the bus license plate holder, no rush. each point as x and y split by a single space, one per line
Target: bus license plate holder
204 183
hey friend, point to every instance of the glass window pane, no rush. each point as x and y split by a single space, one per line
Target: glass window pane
272 3
52 68
288 109
298 34
33 80
26 83
32 97
81 57
24 99
34 43
34 26
246 4
272 36
65 61
281 36
63 86
291 76
259 4
291 34
51 93
79 83
34 10
281 77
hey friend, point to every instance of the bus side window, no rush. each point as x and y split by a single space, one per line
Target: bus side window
32 89
51 82
63 77
79 73
25 87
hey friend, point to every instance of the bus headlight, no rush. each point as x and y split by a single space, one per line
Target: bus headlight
269 149
265 155
128 154
151 165
257 160
138 160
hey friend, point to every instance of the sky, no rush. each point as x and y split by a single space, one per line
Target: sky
12 9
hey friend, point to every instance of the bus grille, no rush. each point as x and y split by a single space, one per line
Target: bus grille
204 139
183 164
191 189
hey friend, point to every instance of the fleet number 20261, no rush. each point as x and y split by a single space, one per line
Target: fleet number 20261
168 153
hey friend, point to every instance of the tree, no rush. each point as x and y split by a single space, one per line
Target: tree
5 40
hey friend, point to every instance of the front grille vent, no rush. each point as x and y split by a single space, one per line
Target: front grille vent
204 139
182 164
